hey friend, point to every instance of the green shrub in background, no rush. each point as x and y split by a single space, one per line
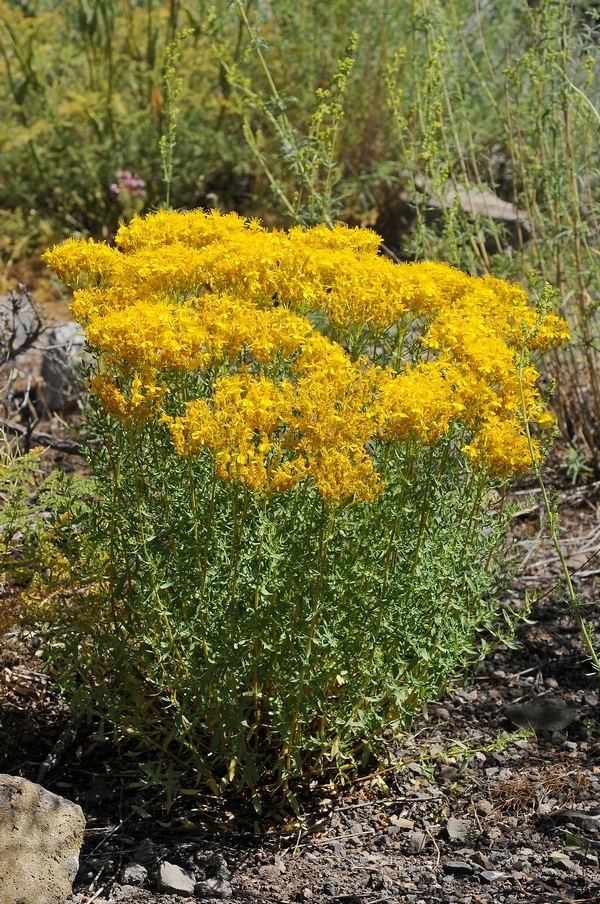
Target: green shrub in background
500 145
469 134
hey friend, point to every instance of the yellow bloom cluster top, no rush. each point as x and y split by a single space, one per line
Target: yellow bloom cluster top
289 356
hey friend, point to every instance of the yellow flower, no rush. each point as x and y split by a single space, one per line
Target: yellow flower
222 313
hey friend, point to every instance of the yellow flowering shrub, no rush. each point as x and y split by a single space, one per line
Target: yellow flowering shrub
409 351
298 440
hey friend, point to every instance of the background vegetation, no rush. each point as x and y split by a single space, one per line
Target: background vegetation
465 130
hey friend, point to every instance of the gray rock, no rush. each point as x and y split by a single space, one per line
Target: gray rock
213 888
491 875
64 352
563 861
543 713
40 839
20 324
458 868
134 874
174 880
457 829
583 819
416 842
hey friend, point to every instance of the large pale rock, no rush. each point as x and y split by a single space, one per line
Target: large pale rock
40 838
63 353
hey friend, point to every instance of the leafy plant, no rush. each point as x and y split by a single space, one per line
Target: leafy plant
297 439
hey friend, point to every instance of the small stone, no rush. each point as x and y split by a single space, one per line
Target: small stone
330 888
306 894
213 888
563 861
543 713
416 842
583 819
401 823
458 868
586 857
174 880
457 829
134 874
551 683
491 875
484 807
269 871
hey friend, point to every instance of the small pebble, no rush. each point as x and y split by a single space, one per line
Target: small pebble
458 867
416 842
484 807
491 875
134 874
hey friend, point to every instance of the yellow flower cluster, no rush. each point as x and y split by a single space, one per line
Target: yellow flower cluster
269 435
273 400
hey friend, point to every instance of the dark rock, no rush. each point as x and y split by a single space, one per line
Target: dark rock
213 888
541 714
458 868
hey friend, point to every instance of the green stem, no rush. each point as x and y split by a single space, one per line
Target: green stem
554 524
